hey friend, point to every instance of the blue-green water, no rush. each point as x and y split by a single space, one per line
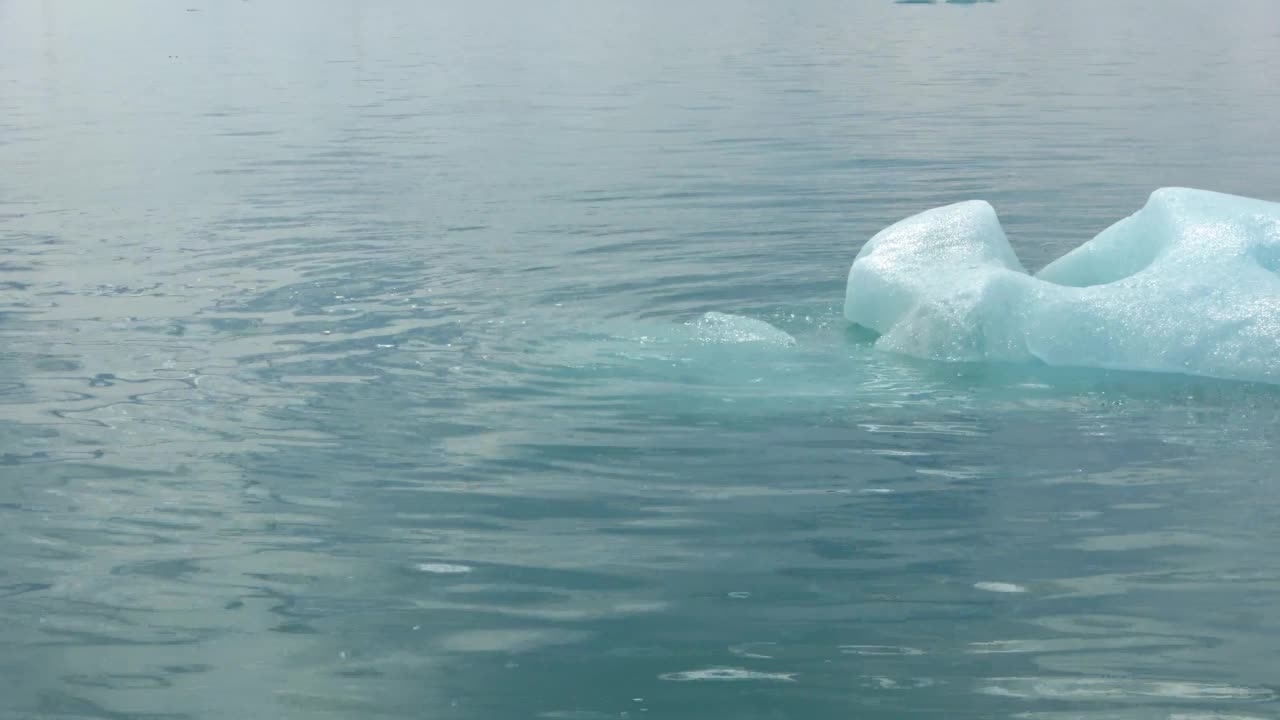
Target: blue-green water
344 370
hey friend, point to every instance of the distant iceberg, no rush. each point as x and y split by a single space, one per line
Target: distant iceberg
1188 284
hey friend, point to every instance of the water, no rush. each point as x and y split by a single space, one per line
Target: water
346 373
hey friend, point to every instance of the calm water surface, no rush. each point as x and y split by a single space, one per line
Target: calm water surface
345 369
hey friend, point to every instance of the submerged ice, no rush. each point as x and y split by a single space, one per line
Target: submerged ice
721 328
1189 284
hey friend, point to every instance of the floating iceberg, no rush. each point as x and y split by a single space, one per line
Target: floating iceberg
1188 284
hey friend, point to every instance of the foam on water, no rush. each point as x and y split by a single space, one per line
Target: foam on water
727 674
1120 689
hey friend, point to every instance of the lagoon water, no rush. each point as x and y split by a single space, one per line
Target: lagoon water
351 365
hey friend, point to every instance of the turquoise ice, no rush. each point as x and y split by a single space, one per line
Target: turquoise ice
1188 284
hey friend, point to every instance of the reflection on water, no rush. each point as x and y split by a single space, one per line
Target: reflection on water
353 363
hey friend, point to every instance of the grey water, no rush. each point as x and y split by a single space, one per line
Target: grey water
346 368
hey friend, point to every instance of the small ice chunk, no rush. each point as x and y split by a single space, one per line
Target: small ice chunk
999 587
717 328
443 568
726 674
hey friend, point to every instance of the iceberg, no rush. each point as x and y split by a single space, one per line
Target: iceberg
1188 284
